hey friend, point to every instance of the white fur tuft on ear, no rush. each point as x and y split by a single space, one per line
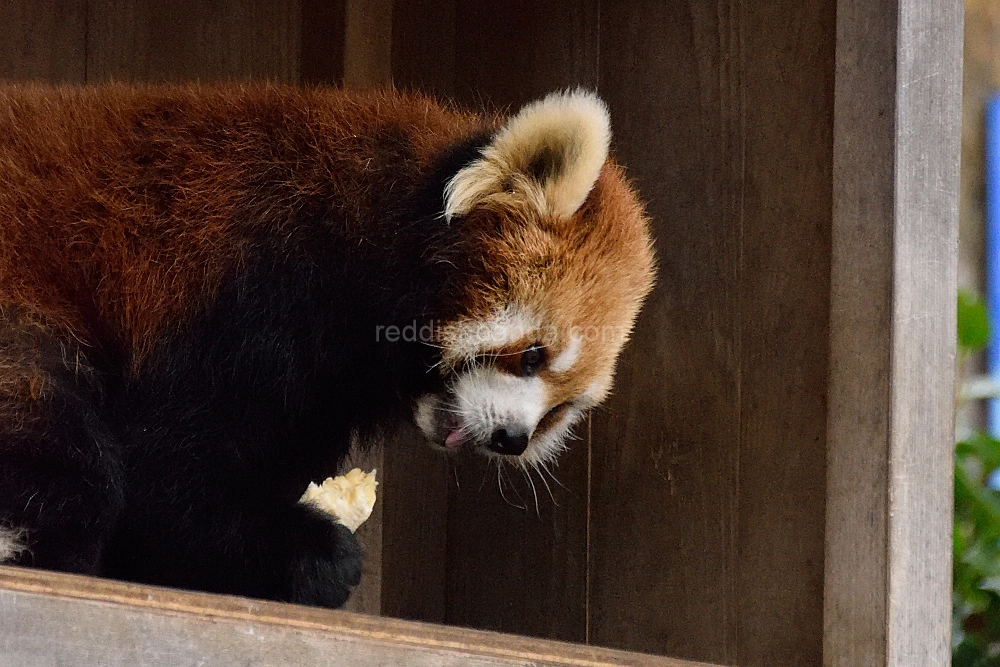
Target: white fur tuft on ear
548 156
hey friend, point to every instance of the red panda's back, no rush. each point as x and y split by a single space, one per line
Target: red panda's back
122 208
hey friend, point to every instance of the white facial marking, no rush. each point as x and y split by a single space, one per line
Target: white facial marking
424 414
487 399
594 393
10 543
567 357
546 447
464 340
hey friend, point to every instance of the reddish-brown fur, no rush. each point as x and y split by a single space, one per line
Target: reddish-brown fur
87 174
587 275
191 284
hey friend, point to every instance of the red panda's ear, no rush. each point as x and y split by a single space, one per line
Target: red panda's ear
547 156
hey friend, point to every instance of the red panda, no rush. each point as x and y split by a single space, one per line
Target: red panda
205 291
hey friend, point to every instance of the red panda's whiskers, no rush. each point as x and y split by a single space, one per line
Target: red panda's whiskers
544 466
526 472
541 475
504 495
486 473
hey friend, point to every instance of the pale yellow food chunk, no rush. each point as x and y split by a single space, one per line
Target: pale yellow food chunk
349 498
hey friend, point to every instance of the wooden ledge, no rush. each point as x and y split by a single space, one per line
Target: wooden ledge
53 618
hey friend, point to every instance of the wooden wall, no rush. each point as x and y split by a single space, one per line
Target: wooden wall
710 510
90 41
509 564
697 493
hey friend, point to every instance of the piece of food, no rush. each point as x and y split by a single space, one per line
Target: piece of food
349 498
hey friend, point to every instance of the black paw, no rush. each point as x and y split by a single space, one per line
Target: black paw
324 571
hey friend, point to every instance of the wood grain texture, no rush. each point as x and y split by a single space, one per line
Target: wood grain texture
191 40
322 55
925 233
423 46
860 338
892 336
517 557
503 60
48 618
807 274
711 452
43 40
368 43
666 446
414 529
513 564
788 81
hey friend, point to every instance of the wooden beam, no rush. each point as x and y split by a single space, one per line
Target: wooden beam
49 618
890 434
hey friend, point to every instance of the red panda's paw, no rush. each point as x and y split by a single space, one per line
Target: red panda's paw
324 571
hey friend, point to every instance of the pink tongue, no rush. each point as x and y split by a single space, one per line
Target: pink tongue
454 438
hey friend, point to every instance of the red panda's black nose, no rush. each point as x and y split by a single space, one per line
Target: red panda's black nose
511 440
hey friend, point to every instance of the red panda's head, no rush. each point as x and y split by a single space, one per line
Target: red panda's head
556 261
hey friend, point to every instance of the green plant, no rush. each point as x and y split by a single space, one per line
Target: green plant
976 574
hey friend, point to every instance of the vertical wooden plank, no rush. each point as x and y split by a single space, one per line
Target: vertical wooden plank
718 422
925 233
856 557
517 556
415 496
890 430
322 55
666 447
192 40
368 43
423 46
788 81
517 559
414 529
511 566
533 49
43 40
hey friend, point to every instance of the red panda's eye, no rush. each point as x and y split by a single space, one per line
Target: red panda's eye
532 359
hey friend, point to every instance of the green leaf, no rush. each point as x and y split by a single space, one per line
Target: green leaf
982 447
985 501
966 654
973 327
